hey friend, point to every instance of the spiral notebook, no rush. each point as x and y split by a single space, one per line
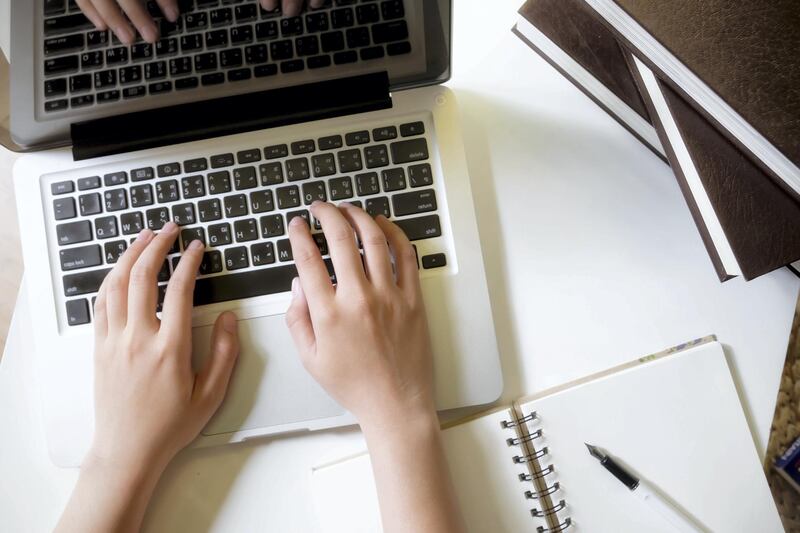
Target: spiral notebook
674 418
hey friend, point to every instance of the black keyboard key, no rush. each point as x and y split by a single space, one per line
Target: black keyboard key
190 43
163 274
367 14
358 37
271 173
434 261
183 214
263 253
211 263
84 282
115 200
272 226
244 157
245 230
261 201
115 178
276 151
267 30
321 242
235 259
60 45
389 32
114 250
297 169
106 227
288 197
60 65
179 66
291 26
420 175
318 62
54 7
82 101
221 17
134 92
242 35
350 160
195 165
307 46
80 83
90 60
116 56
73 232
141 52
230 58
156 218
168 169
239 74
280 50
67 24
394 179
263 71
357 137
316 22
78 312
217 39
129 75
415 202
421 227
330 143
56 105
222 160
245 178
342 18
341 188
186 83
193 187
313 191
210 209
219 234
367 184
235 206
295 65
80 257
342 58
284 250
62 187
132 223
155 71
167 47
55 87
193 234
384 134
160 87
219 182
376 156
90 204
105 78
96 38
409 151
92 182
412 128
205 62
256 54
303 147
323 165
392 9
64 208
377 206
373 52
213 79
142 174
196 21
332 41
245 13
107 96
167 28
166 191
397 49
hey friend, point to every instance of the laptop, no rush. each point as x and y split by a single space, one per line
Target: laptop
231 125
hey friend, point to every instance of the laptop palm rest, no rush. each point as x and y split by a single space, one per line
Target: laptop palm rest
269 386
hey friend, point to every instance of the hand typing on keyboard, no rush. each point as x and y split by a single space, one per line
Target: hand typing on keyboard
119 15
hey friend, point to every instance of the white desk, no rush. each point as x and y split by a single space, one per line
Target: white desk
593 260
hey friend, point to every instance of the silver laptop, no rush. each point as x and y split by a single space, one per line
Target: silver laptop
232 124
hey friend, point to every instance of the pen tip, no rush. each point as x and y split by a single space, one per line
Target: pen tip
593 451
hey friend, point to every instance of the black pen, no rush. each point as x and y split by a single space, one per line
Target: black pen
646 493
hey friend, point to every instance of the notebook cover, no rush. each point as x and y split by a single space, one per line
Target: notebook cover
761 222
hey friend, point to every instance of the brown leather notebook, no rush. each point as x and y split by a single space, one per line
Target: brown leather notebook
745 51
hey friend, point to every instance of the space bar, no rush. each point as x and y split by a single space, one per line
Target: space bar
246 284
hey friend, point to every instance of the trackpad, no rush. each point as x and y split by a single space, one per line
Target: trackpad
269 386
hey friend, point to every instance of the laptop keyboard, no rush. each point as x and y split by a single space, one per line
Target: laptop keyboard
239 204
213 42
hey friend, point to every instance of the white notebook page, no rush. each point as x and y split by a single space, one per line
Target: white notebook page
485 476
678 423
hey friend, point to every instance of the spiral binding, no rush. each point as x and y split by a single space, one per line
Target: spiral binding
537 474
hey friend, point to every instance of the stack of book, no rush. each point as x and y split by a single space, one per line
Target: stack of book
713 88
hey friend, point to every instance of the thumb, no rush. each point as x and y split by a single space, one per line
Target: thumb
298 320
212 381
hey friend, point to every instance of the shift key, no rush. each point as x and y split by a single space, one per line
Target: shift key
411 203
420 227
84 282
409 151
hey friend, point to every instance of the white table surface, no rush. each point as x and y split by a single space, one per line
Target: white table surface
592 259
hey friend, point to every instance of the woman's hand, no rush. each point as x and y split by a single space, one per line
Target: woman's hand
366 341
119 15
149 402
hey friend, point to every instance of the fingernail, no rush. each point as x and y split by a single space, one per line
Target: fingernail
169 227
345 204
124 34
229 322
149 33
196 245
297 221
295 287
144 235
172 13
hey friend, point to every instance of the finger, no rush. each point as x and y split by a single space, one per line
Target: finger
100 317
376 249
341 245
316 4
269 5
212 381
310 267
141 19
298 320
176 318
91 13
143 291
170 9
405 258
292 8
117 281
115 20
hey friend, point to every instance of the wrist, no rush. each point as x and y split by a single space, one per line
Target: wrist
128 474
402 421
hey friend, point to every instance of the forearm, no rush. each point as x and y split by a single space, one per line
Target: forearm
411 474
109 498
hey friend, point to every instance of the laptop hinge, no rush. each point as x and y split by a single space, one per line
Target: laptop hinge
232 114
